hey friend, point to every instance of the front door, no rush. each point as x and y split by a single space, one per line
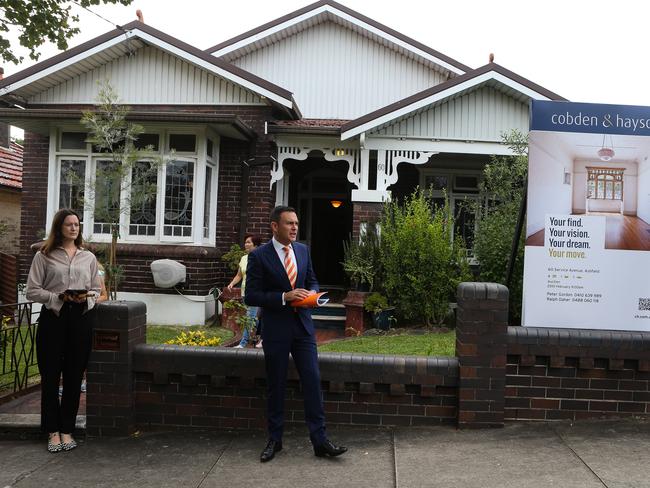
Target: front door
321 193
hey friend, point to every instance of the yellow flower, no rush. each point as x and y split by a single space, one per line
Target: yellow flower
195 338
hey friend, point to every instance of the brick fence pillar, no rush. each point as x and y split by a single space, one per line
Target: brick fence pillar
120 326
481 333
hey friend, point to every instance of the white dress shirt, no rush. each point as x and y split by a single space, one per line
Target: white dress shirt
279 249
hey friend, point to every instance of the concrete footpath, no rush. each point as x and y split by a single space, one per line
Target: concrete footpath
586 454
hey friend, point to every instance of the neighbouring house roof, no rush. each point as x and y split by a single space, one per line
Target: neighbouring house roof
11 166
491 74
121 42
328 10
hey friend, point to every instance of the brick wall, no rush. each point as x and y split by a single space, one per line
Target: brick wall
34 197
576 374
225 388
482 320
501 373
364 212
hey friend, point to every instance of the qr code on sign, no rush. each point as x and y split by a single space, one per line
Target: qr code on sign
644 303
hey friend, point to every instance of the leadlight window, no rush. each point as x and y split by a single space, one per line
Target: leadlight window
179 182
107 196
605 183
167 214
72 183
142 218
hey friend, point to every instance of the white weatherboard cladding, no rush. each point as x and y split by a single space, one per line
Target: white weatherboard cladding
335 73
150 76
480 115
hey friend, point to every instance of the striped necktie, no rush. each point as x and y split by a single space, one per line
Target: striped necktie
290 266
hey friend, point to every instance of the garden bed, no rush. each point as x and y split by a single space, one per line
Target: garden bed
159 334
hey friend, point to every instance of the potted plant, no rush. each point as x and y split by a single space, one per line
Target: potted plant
382 313
361 259
248 323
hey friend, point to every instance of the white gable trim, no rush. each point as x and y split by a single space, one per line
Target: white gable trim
347 17
165 46
67 62
436 97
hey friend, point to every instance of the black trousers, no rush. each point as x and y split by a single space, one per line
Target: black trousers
62 349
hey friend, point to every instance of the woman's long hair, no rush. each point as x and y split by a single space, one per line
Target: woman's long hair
55 238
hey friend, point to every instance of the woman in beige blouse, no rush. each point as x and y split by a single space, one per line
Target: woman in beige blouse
64 278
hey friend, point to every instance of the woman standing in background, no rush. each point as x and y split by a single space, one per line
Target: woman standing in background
250 242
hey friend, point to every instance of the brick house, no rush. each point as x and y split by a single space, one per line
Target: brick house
11 182
260 120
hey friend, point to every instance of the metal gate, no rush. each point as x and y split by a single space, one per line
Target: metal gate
18 367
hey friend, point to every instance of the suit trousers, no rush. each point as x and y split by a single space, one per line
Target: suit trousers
62 349
302 347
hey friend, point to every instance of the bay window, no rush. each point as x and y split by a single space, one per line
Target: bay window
170 202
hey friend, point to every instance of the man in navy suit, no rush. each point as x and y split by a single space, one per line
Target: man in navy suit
278 273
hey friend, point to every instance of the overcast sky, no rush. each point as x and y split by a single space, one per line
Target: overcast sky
586 51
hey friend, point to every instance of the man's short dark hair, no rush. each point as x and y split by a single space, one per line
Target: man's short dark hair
279 210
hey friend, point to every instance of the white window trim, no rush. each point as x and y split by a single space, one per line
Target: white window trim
195 185
199 159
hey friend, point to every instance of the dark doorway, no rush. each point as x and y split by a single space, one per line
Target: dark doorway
330 228
321 193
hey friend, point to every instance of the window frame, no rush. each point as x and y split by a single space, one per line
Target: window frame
199 158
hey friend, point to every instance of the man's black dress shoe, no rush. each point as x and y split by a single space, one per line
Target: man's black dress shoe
329 449
269 451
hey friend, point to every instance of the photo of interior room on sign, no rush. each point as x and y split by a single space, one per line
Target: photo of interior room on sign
591 174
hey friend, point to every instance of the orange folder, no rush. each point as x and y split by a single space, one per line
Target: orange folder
311 301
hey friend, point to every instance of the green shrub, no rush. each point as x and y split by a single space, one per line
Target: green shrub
233 256
362 258
375 302
422 264
501 194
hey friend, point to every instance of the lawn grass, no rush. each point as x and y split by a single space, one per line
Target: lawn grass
159 334
443 344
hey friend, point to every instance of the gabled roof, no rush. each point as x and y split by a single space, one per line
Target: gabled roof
328 10
491 74
123 41
11 166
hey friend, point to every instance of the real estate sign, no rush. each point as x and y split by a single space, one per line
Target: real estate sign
587 255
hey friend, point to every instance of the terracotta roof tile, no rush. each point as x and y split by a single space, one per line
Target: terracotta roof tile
11 166
336 123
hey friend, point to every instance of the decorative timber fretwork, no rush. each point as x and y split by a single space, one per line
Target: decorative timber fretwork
286 152
351 156
387 162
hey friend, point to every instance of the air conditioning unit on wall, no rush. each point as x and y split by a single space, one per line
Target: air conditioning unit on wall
167 273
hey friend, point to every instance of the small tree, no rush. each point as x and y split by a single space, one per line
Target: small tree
498 209
422 263
125 177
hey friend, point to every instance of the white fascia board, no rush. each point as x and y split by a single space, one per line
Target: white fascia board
213 68
65 63
269 32
439 146
353 20
490 75
314 141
